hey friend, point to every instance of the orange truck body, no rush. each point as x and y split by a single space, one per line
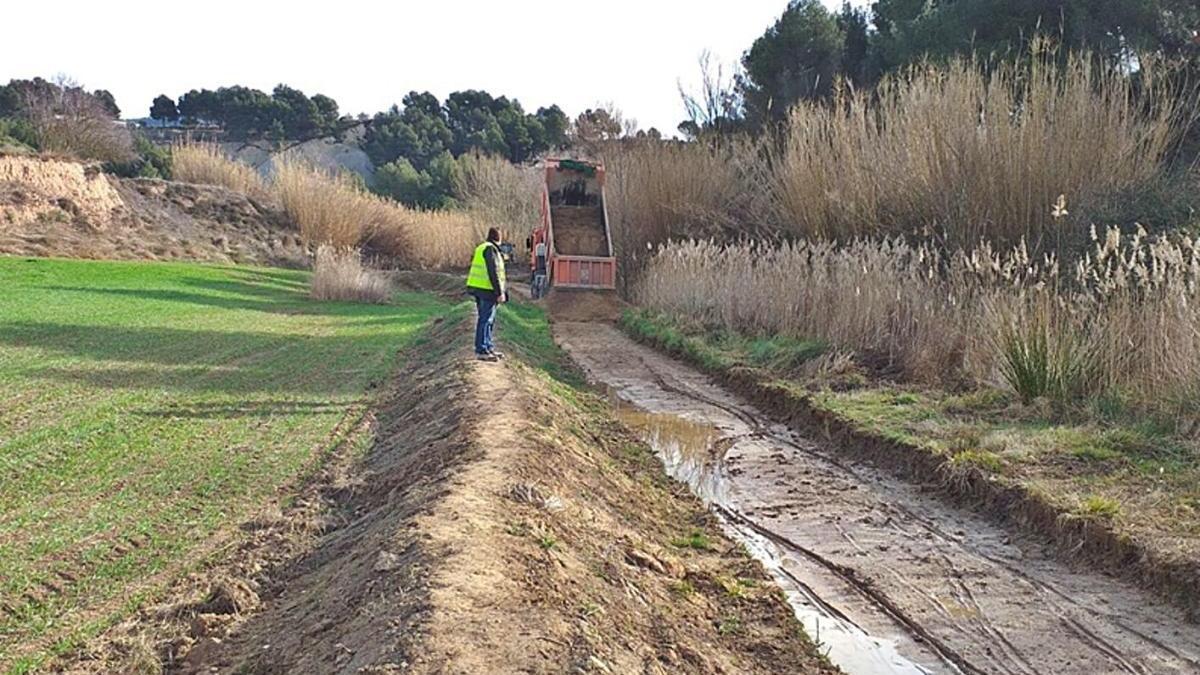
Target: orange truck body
576 187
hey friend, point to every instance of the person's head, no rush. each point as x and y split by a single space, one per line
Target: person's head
494 235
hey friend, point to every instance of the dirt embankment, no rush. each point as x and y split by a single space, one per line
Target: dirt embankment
501 522
56 207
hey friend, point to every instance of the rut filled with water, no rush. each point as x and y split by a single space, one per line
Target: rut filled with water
887 577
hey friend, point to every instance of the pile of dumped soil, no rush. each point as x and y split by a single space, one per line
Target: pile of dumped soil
56 207
539 537
579 230
569 304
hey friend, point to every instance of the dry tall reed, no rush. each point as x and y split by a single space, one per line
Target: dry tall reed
1125 318
966 154
207 164
664 189
498 193
338 274
333 210
330 209
430 240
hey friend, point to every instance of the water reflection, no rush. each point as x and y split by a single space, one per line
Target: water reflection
688 449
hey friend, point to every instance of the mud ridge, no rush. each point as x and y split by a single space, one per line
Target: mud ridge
499 522
1075 539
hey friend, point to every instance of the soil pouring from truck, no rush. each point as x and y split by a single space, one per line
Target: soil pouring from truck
572 248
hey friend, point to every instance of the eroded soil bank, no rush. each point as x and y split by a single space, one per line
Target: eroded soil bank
502 522
63 208
949 590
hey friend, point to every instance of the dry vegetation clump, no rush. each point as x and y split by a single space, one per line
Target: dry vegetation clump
69 121
331 209
338 274
207 164
1123 319
335 210
661 190
968 155
499 193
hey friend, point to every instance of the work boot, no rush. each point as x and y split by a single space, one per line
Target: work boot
491 358
496 354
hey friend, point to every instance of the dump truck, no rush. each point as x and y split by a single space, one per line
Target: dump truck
572 247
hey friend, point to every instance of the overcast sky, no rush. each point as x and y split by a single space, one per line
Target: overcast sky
367 55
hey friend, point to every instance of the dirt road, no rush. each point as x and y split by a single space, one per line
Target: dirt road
889 578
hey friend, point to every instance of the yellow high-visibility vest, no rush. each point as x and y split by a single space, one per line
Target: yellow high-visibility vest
478 276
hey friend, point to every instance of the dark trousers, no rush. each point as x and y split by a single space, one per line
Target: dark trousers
486 306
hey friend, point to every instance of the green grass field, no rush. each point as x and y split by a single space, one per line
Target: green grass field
146 409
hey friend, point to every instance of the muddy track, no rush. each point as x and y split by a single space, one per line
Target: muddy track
951 590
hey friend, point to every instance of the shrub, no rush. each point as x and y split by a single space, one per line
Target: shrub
338 274
207 164
17 133
66 119
403 183
428 189
151 161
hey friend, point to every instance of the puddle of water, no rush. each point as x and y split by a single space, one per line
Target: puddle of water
690 452
687 449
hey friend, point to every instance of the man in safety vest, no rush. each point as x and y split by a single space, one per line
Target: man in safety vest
487 284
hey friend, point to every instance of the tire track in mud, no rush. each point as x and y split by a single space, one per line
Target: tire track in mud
1017 663
981 599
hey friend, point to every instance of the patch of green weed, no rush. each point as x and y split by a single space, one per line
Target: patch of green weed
729 625
980 459
696 540
683 588
1099 507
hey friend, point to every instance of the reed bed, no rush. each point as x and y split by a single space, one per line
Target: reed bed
330 209
662 190
499 193
428 240
207 164
1123 320
965 153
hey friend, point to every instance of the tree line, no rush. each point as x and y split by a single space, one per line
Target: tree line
809 50
60 116
415 145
